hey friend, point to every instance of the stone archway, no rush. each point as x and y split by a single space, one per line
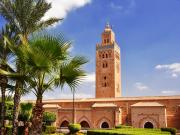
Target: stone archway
104 125
148 122
84 124
64 124
148 125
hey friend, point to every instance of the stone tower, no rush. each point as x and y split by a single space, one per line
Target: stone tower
108 67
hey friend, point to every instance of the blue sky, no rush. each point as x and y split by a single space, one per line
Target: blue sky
147 31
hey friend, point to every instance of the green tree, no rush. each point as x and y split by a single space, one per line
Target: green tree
49 65
26 16
25 112
49 117
5 53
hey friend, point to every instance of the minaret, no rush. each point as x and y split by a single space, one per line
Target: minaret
108 69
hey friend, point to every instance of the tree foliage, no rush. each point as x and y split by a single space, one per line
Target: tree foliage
49 117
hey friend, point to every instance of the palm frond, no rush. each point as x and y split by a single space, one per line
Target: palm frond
70 73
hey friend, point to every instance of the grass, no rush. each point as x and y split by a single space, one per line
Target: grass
125 131
134 131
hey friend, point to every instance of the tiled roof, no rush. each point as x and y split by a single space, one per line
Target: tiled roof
104 105
139 104
51 106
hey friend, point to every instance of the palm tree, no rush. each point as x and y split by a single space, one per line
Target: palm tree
27 16
49 65
5 52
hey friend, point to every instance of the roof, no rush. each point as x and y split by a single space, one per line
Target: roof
144 98
104 105
147 104
51 106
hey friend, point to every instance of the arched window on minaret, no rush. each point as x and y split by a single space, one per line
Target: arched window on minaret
106 65
105 84
103 56
106 55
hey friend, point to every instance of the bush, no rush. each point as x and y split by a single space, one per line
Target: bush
122 126
50 129
49 117
73 128
8 130
171 130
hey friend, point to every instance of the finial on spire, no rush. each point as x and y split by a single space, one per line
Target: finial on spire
108 25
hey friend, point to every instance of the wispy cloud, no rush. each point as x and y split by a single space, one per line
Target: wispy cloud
173 69
90 77
125 6
168 92
61 8
140 86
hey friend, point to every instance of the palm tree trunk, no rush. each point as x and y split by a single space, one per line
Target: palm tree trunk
3 84
17 97
37 119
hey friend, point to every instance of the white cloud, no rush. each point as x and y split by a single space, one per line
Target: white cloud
112 5
174 75
125 7
173 68
168 92
140 86
90 77
61 8
77 95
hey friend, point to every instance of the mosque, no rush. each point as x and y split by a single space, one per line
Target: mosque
109 108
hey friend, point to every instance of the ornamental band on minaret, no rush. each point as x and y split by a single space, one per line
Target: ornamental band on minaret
108 67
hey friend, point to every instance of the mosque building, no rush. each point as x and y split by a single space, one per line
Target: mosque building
109 108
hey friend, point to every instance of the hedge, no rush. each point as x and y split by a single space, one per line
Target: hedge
50 129
73 128
122 126
103 132
171 130
128 131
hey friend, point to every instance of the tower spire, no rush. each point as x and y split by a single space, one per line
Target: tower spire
108 25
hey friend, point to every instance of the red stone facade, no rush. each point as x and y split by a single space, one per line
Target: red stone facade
109 109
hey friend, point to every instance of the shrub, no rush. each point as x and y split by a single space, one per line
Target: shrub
73 128
8 130
171 130
50 129
25 112
122 126
49 117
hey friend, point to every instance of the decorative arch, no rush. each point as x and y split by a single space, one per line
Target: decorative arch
104 125
150 120
64 122
104 121
148 125
85 123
